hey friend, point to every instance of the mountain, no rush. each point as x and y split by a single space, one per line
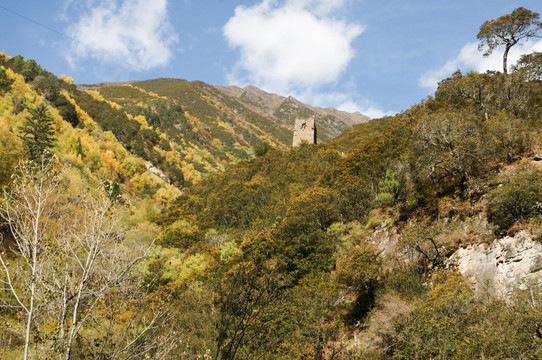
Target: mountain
212 127
208 130
410 237
330 121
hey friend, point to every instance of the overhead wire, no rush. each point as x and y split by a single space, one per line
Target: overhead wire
104 52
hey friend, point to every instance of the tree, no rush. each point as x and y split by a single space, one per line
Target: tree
436 326
358 272
490 93
38 133
70 274
84 271
28 68
11 150
518 199
529 66
509 136
508 30
28 211
5 81
244 298
449 150
47 86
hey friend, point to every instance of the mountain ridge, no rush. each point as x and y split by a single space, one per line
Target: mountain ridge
283 109
331 121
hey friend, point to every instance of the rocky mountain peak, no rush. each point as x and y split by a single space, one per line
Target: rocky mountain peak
330 121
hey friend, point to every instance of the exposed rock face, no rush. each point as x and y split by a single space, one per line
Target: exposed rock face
385 241
153 169
495 269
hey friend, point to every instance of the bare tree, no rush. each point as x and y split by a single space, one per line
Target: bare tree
91 253
96 280
28 211
69 262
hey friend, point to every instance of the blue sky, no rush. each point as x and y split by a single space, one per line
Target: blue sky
376 57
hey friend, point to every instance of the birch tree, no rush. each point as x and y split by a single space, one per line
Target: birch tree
68 268
29 211
90 258
98 288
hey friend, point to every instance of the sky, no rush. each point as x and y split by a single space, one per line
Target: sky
377 57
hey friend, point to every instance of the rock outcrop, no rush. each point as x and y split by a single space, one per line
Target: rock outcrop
495 269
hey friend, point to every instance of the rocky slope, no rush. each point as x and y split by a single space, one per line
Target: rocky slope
330 121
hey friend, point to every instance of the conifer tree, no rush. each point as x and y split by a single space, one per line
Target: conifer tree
38 133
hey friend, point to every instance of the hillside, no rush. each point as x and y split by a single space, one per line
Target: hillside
360 253
208 130
360 133
217 126
167 219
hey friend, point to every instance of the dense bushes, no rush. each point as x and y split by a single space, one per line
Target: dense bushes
519 198
450 324
290 215
286 255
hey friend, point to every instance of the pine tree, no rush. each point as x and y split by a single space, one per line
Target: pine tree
37 131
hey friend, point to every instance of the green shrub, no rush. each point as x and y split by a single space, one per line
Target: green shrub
181 234
518 199
408 282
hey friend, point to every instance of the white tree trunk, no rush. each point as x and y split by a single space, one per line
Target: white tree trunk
28 209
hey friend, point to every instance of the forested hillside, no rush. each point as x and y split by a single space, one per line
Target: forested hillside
209 121
122 240
212 127
325 255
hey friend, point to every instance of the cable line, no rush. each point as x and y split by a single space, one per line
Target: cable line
104 52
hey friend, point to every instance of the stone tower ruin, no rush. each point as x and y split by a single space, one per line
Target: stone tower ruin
304 130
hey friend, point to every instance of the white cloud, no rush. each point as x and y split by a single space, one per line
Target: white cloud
469 58
346 102
365 107
290 45
374 111
132 33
